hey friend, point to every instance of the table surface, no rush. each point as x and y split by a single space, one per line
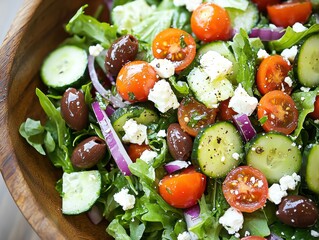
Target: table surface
15 226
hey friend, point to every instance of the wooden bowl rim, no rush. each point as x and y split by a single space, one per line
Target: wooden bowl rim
9 166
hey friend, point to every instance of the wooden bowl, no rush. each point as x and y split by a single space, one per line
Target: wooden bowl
30 177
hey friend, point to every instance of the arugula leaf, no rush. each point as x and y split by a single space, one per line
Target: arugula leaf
256 224
89 27
180 88
291 38
117 231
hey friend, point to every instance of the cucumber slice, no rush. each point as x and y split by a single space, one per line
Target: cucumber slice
308 62
141 114
80 190
312 167
217 149
223 49
275 155
64 67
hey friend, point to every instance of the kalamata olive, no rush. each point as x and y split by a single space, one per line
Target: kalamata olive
179 142
123 50
297 211
88 152
74 110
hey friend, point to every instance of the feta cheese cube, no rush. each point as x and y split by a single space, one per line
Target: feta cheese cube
290 53
161 134
215 65
163 67
242 103
126 200
289 81
96 50
232 220
261 54
289 182
298 27
275 193
134 132
314 233
163 96
148 155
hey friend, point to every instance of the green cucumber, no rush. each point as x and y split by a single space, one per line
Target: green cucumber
217 149
275 155
141 114
64 67
80 190
223 48
312 167
307 63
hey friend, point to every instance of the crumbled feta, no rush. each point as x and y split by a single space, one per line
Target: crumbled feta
235 156
241 102
184 236
290 53
232 220
288 182
125 199
215 65
272 26
289 81
161 134
134 132
261 54
305 89
163 67
298 27
96 50
191 5
275 193
163 96
148 155
314 233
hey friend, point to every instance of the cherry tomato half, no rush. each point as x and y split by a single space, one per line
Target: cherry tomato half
245 188
288 13
211 22
193 115
184 189
225 113
135 80
280 110
135 150
262 4
271 74
175 45
253 238
315 114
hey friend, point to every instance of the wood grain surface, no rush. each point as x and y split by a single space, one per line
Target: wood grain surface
30 177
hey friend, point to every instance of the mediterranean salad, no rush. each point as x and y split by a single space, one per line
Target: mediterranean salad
179 119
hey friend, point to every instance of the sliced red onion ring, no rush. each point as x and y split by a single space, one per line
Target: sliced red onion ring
115 145
267 34
95 215
244 126
175 166
115 100
192 218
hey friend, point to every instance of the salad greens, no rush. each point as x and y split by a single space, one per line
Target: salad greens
152 217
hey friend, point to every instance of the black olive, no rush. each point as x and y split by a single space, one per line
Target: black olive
122 51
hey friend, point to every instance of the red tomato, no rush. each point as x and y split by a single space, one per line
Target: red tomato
135 80
290 12
280 110
193 115
177 191
245 188
211 22
253 238
271 75
262 4
135 151
175 45
225 113
315 114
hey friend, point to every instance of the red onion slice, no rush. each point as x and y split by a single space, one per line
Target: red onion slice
267 34
244 126
192 218
175 166
116 101
95 215
115 145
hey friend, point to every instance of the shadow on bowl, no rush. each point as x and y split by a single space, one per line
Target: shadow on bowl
30 177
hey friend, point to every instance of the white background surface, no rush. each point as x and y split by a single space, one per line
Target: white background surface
13 225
